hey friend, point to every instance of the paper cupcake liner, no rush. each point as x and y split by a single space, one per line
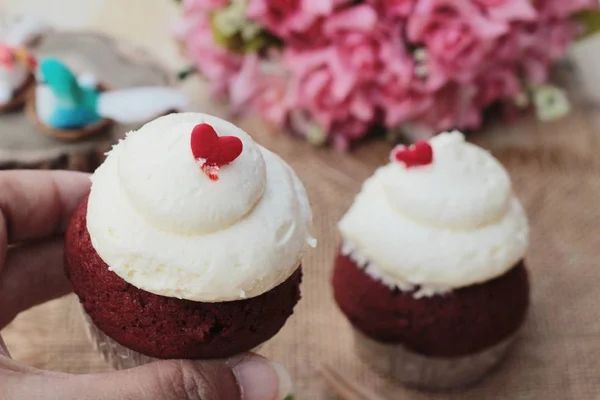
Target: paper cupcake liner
114 353
429 373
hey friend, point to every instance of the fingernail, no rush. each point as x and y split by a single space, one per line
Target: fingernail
260 379
285 381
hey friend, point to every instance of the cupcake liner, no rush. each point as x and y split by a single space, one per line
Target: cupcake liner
114 353
429 373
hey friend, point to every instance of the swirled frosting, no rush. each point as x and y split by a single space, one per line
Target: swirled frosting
163 226
446 225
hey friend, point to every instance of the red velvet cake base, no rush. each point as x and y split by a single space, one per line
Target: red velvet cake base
165 327
462 322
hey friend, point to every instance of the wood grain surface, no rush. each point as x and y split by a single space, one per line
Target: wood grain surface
555 170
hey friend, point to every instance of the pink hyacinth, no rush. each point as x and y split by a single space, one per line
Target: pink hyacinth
336 84
454 107
542 44
219 65
332 94
286 18
393 8
262 86
499 83
508 10
344 66
457 35
563 8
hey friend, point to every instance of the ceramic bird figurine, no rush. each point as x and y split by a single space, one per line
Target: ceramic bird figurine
67 101
63 102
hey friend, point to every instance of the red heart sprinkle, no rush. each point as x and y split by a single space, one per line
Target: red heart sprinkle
419 154
214 150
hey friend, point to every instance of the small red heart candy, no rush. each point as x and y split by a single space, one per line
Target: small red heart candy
218 151
419 154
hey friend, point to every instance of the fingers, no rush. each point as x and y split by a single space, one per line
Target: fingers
245 378
3 349
34 205
32 275
38 204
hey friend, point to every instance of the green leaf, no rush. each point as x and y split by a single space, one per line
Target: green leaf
184 73
229 42
235 43
290 397
590 20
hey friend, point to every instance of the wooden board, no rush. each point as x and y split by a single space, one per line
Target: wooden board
117 65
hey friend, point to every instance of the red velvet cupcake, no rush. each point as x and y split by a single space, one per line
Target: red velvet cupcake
189 244
431 272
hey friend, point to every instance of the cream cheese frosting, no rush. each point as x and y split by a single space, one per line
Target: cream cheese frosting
163 226
442 226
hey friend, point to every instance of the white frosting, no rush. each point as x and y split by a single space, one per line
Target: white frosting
11 80
375 272
442 226
163 226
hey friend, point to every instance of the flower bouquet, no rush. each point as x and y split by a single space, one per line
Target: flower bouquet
336 70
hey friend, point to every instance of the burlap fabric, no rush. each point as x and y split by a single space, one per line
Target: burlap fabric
555 172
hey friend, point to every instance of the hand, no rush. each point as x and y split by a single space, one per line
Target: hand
34 210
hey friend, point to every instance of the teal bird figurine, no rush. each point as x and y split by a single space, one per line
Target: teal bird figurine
67 101
74 105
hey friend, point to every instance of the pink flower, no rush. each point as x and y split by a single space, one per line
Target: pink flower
216 63
399 92
349 65
334 95
203 5
563 8
541 44
393 8
500 83
288 17
454 108
336 84
262 85
457 35
310 38
508 10
507 48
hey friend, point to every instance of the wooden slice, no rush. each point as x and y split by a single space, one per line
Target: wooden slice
20 96
23 143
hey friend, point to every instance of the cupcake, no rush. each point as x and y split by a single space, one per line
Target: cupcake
189 244
431 271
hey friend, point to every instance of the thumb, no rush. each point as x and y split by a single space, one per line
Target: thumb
248 377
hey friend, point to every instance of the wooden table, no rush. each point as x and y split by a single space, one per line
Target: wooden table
555 169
